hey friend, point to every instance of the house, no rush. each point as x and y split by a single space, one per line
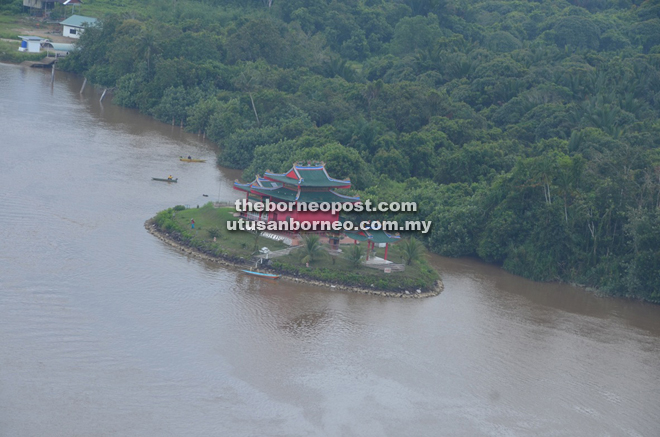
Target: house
46 6
31 44
72 27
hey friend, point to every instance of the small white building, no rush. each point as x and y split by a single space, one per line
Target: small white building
31 44
72 27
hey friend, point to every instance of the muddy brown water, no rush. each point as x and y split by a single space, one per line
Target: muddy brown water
107 331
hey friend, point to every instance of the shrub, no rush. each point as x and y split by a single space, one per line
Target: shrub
355 255
410 250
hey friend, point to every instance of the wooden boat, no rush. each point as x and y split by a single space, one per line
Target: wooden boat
165 179
262 275
192 160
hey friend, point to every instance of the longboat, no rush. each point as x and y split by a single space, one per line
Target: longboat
262 275
192 160
165 179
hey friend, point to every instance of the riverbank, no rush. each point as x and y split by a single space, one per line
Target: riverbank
9 53
209 252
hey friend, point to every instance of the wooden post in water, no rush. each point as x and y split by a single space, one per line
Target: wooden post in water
83 86
103 95
52 74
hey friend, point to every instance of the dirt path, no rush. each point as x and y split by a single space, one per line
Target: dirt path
55 35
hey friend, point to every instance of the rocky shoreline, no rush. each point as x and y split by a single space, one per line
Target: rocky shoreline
151 227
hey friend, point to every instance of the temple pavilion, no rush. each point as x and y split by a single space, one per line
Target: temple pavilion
372 238
303 183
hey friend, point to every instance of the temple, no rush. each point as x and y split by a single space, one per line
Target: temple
303 183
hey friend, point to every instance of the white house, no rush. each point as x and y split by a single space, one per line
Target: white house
72 27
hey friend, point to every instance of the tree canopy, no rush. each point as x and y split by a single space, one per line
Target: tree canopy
528 131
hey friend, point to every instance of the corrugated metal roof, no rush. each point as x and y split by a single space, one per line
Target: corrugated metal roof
78 21
32 38
62 47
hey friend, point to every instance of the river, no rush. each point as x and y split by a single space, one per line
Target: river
107 331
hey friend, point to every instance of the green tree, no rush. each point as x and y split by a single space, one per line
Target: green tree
199 115
238 148
644 274
413 33
410 250
311 249
259 38
354 255
577 31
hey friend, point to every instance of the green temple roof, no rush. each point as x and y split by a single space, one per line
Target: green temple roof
375 236
276 190
383 237
310 175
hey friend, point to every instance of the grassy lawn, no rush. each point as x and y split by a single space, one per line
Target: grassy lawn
207 218
99 8
13 25
9 25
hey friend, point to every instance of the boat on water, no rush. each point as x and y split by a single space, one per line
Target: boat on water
192 160
165 179
262 275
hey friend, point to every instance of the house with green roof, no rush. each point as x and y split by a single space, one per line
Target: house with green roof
73 26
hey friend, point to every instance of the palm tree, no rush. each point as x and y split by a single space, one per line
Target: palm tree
311 248
410 250
355 255
148 44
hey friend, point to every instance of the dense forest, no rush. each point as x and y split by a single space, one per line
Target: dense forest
527 131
